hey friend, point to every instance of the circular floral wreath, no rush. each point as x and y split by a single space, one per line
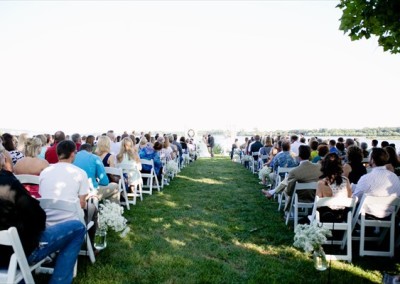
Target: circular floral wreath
191 133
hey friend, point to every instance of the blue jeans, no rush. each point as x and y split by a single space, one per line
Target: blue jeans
66 238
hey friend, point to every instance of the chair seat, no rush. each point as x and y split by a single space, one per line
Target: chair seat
345 225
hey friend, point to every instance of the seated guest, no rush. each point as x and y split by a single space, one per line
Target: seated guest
341 150
150 153
10 144
184 145
31 164
379 182
96 173
51 153
364 147
43 150
393 162
333 183
129 160
77 139
322 149
7 163
314 149
305 172
19 209
353 169
90 139
265 150
285 158
103 150
65 181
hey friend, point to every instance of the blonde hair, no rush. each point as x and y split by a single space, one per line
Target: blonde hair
166 143
22 138
33 146
43 138
103 145
127 147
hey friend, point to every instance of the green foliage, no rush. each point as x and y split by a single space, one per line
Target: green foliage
365 132
363 18
218 149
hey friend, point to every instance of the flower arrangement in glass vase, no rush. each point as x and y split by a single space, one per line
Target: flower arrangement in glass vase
310 238
110 216
171 168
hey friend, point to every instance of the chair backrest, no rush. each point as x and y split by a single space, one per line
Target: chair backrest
117 172
11 238
28 179
150 163
73 207
385 202
281 171
63 205
332 202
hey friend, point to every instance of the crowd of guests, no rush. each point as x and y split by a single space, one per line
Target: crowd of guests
72 169
342 167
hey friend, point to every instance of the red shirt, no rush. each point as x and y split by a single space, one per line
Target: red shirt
51 154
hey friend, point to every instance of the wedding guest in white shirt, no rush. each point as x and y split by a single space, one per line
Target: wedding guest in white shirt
379 182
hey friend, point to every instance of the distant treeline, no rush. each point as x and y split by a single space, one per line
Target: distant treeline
365 132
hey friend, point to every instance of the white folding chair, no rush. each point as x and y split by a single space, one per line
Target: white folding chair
254 166
28 179
297 205
388 224
148 186
75 207
136 185
18 269
261 159
278 179
345 226
121 185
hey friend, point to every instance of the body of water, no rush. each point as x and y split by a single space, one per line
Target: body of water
226 142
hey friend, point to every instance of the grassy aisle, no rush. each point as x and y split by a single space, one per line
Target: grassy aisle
211 225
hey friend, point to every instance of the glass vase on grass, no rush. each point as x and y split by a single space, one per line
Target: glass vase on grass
100 239
320 262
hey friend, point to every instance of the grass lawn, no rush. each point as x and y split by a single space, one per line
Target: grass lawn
212 225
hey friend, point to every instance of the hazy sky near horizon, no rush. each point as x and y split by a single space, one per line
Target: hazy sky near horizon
90 66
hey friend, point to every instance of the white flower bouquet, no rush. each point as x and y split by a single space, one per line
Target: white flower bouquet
236 158
246 158
264 173
171 168
186 158
110 216
310 237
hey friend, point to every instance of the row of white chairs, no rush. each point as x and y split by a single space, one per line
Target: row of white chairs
356 217
19 269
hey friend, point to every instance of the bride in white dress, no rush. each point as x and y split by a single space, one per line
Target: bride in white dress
202 146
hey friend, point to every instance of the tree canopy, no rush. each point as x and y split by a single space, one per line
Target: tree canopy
363 18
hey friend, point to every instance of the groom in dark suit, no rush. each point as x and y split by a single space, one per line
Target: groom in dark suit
210 144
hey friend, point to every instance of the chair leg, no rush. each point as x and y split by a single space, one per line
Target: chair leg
362 237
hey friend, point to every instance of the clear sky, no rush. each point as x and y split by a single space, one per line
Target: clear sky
90 66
